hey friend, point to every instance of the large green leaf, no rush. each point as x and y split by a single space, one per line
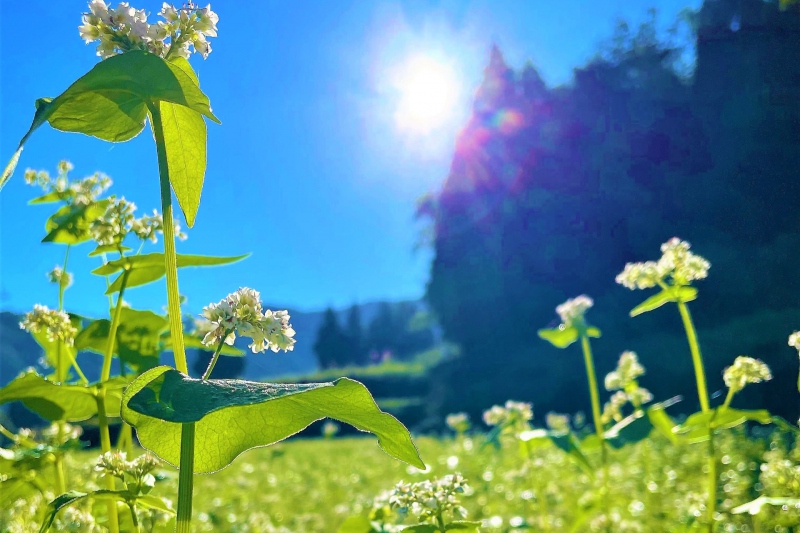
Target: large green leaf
147 268
111 102
232 416
673 294
662 422
560 337
463 525
53 401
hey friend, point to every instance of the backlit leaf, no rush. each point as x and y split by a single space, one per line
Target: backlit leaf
558 337
232 416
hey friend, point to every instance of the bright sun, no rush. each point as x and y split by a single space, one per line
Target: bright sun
428 91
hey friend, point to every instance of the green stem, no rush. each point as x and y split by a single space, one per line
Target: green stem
728 399
440 523
598 424
134 518
185 480
213 361
697 358
61 373
186 466
112 332
712 480
105 446
170 257
7 434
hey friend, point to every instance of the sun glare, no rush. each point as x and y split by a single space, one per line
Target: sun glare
428 91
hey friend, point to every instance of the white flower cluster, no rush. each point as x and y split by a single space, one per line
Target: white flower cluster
60 277
512 414
612 410
458 422
125 28
794 341
118 221
628 369
241 313
81 192
73 519
557 422
56 435
572 311
115 464
676 262
745 370
430 499
56 324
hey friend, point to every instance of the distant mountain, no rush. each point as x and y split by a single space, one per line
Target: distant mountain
19 351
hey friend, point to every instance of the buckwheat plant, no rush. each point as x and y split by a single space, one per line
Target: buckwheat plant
144 77
511 419
436 504
458 422
624 380
135 476
794 342
572 328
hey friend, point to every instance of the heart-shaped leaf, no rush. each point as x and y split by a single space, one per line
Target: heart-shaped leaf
53 401
232 416
560 337
111 102
147 268
673 294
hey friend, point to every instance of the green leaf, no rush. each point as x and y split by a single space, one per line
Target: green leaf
150 267
110 101
754 507
631 429
139 338
71 223
185 145
249 415
560 337
564 440
356 524
463 525
50 197
73 496
9 170
662 422
108 249
94 337
593 332
421 528
695 428
673 294
154 502
73 403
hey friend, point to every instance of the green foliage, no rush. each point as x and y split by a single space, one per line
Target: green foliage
696 427
53 401
273 413
111 102
144 269
673 294
71 223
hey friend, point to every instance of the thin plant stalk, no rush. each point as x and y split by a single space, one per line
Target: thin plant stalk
702 393
61 373
186 466
598 425
213 362
102 417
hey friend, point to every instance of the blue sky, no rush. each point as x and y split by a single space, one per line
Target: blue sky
309 171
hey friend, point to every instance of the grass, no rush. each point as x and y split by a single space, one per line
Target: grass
309 485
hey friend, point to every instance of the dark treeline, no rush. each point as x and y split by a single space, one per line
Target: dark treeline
552 190
397 331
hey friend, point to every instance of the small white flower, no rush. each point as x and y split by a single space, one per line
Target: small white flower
572 311
676 262
745 370
56 324
169 13
628 369
207 21
612 410
60 277
557 422
100 10
794 340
